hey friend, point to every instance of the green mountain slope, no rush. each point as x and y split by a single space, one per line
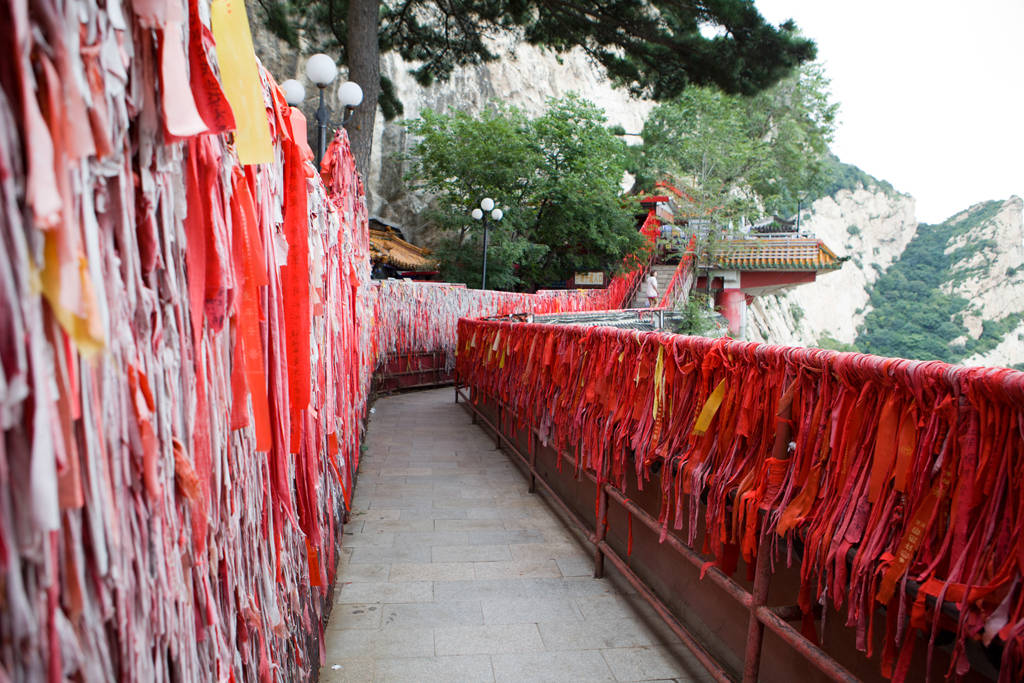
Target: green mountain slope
914 315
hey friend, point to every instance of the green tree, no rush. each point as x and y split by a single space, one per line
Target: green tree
555 176
740 150
655 48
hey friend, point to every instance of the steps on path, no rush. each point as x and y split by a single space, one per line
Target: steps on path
664 273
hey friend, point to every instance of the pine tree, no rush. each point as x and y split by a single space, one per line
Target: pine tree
654 48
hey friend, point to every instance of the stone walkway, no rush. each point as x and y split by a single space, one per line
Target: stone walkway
452 571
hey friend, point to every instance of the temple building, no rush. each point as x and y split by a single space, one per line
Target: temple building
736 265
392 256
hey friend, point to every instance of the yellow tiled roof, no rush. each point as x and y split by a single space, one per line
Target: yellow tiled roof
387 247
774 254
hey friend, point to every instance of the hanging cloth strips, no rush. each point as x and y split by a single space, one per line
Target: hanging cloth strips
859 456
240 80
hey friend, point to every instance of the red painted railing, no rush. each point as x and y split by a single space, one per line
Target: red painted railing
683 276
903 481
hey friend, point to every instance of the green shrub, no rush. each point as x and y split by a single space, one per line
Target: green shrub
695 316
827 341
796 311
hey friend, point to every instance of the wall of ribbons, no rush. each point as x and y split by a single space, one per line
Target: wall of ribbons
186 349
418 317
900 483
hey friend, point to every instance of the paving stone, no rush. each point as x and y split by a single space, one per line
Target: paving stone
576 566
355 573
470 525
536 523
597 635
504 537
360 670
493 639
470 553
546 551
400 502
531 569
355 616
452 502
432 571
431 538
381 643
471 669
376 515
598 607
434 513
452 571
389 554
413 591
502 513
553 667
651 663
528 610
354 540
519 588
400 525
432 614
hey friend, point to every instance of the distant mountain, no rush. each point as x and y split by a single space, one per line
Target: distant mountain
952 291
956 293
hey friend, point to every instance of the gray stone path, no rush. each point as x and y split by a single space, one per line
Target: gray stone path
452 571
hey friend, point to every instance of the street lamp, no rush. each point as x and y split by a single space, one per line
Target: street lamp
294 92
322 71
486 207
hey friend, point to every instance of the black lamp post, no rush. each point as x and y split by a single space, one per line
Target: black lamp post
480 214
321 70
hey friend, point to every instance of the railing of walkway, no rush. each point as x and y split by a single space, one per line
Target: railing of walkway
899 482
683 277
415 323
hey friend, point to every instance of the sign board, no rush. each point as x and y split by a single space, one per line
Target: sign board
593 279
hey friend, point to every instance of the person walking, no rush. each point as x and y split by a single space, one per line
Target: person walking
651 289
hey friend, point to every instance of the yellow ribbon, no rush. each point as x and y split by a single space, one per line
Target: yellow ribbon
707 413
241 80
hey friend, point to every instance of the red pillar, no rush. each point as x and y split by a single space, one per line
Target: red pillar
733 305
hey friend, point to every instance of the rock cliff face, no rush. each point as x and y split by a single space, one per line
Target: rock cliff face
986 254
990 275
871 226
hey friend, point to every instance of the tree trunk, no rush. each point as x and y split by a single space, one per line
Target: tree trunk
363 53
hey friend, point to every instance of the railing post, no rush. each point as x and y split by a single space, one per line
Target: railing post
533 460
497 426
755 629
602 513
599 529
762 573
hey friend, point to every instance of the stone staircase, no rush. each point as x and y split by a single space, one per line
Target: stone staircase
664 274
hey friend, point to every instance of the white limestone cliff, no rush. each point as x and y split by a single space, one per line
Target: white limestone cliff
871 227
991 278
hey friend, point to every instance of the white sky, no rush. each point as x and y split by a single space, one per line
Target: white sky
931 92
